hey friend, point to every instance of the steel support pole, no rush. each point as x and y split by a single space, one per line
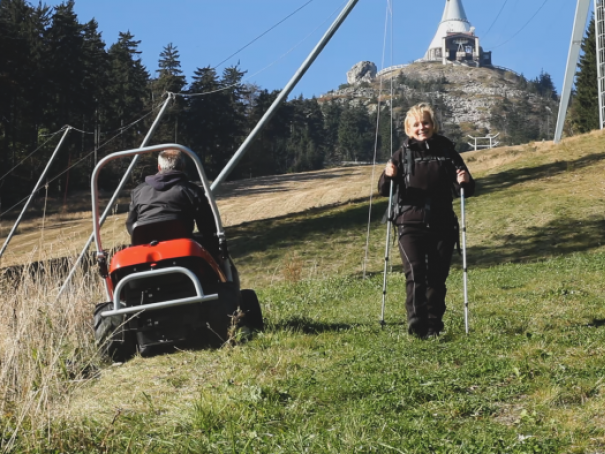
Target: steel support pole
572 60
38 184
387 253
283 94
599 11
116 194
464 267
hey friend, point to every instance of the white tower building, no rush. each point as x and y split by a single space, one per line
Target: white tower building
455 39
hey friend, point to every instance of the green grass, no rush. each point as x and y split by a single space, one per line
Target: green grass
325 377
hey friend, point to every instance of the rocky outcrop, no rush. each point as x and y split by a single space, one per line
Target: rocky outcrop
364 71
470 95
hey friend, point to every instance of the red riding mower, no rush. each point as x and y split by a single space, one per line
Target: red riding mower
166 289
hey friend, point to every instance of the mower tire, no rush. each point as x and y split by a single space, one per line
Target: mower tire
253 317
112 336
218 315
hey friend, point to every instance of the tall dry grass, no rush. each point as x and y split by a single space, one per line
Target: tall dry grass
46 345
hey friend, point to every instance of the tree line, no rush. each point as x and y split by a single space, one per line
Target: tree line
57 71
584 106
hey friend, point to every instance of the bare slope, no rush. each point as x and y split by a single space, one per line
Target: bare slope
62 235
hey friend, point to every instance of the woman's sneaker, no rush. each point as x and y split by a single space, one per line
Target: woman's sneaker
417 327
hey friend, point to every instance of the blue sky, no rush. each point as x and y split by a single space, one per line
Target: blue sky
208 31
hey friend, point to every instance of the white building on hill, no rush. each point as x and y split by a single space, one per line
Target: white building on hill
455 40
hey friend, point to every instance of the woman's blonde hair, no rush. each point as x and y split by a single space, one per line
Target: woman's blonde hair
418 111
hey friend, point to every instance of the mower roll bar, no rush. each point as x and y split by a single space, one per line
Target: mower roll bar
225 263
199 298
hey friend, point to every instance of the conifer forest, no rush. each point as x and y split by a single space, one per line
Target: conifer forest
57 71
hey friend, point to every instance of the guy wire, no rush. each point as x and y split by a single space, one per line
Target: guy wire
389 13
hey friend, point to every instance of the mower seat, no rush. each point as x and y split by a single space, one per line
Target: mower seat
170 229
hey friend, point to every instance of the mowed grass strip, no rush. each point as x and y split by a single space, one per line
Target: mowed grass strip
325 377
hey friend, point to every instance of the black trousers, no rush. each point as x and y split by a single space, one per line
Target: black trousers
426 254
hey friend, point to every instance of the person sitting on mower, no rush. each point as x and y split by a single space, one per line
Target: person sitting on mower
427 173
169 195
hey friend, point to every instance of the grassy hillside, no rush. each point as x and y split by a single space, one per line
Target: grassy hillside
53 230
325 377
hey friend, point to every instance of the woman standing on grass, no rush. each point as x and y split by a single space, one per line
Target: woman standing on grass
427 174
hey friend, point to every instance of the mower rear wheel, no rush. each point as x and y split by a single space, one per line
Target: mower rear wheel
112 336
253 316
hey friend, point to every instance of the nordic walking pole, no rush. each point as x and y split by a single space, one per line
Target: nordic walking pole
386 253
464 268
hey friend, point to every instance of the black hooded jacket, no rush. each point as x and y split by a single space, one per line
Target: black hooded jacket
426 182
167 196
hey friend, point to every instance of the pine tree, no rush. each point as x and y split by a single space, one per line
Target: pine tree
215 123
128 76
170 79
585 105
66 69
544 86
268 154
233 120
305 145
23 89
356 134
331 112
203 116
127 101
95 96
388 134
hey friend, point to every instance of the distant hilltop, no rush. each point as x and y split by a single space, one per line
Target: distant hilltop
470 101
472 97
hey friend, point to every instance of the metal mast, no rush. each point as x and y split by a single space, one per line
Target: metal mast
283 94
572 60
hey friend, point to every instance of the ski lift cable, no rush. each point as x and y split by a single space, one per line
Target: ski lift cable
523 27
59 175
263 34
81 131
389 13
31 154
191 95
51 135
121 130
57 132
107 142
496 19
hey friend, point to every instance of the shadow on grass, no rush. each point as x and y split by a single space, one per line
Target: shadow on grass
597 322
558 237
295 229
307 326
279 183
506 179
